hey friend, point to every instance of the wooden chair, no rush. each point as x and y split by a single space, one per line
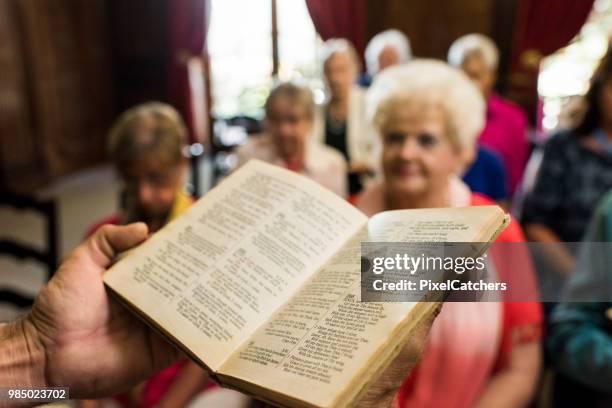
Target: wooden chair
47 257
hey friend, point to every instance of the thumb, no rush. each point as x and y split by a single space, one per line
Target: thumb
111 240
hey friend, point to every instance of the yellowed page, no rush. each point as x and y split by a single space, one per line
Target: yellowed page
319 345
467 224
312 347
214 275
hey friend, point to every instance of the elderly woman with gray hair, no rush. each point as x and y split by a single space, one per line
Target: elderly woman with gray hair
429 116
287 141
340 122
505 131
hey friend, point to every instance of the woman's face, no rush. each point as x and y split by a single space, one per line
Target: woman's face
340 73
388 57
150 188
417 155
289 126
478 71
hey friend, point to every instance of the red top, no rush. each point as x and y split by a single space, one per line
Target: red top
520 321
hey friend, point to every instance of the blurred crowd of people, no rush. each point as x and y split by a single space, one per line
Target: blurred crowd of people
419 133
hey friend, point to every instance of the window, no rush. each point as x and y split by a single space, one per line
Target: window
565 75
240 47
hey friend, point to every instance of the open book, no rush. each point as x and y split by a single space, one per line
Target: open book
259 282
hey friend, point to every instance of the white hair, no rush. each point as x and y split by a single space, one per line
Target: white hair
473 44
335 46
430 83
382 40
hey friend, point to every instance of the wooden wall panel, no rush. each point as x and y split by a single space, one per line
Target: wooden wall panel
432 25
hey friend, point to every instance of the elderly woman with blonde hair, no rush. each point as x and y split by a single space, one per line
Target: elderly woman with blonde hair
340 122
429 116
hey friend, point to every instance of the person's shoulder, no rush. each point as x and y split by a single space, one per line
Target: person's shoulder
477 199
489 158
327 154
507 105
561 140
255 146
562 135
357 99
358 90
257 141
510 113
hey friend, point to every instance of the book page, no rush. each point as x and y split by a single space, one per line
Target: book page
312 351
312 348
214 275
467 224
466 232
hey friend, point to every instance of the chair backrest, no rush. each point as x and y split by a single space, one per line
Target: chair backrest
47 257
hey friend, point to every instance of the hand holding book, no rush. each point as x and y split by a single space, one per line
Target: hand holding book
259 282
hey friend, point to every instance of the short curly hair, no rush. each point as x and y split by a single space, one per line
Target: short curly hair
394 38
295 93
430 83
473 45
151 129
335 46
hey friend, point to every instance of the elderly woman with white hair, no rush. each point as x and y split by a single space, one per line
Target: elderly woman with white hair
505 131
385 49
341 122
429 115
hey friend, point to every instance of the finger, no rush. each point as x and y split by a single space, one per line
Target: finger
110 240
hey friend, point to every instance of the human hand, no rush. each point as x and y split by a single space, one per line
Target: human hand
77 336
383 391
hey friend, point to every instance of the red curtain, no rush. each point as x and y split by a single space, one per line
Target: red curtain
340 19
188 25
547 25
541 28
